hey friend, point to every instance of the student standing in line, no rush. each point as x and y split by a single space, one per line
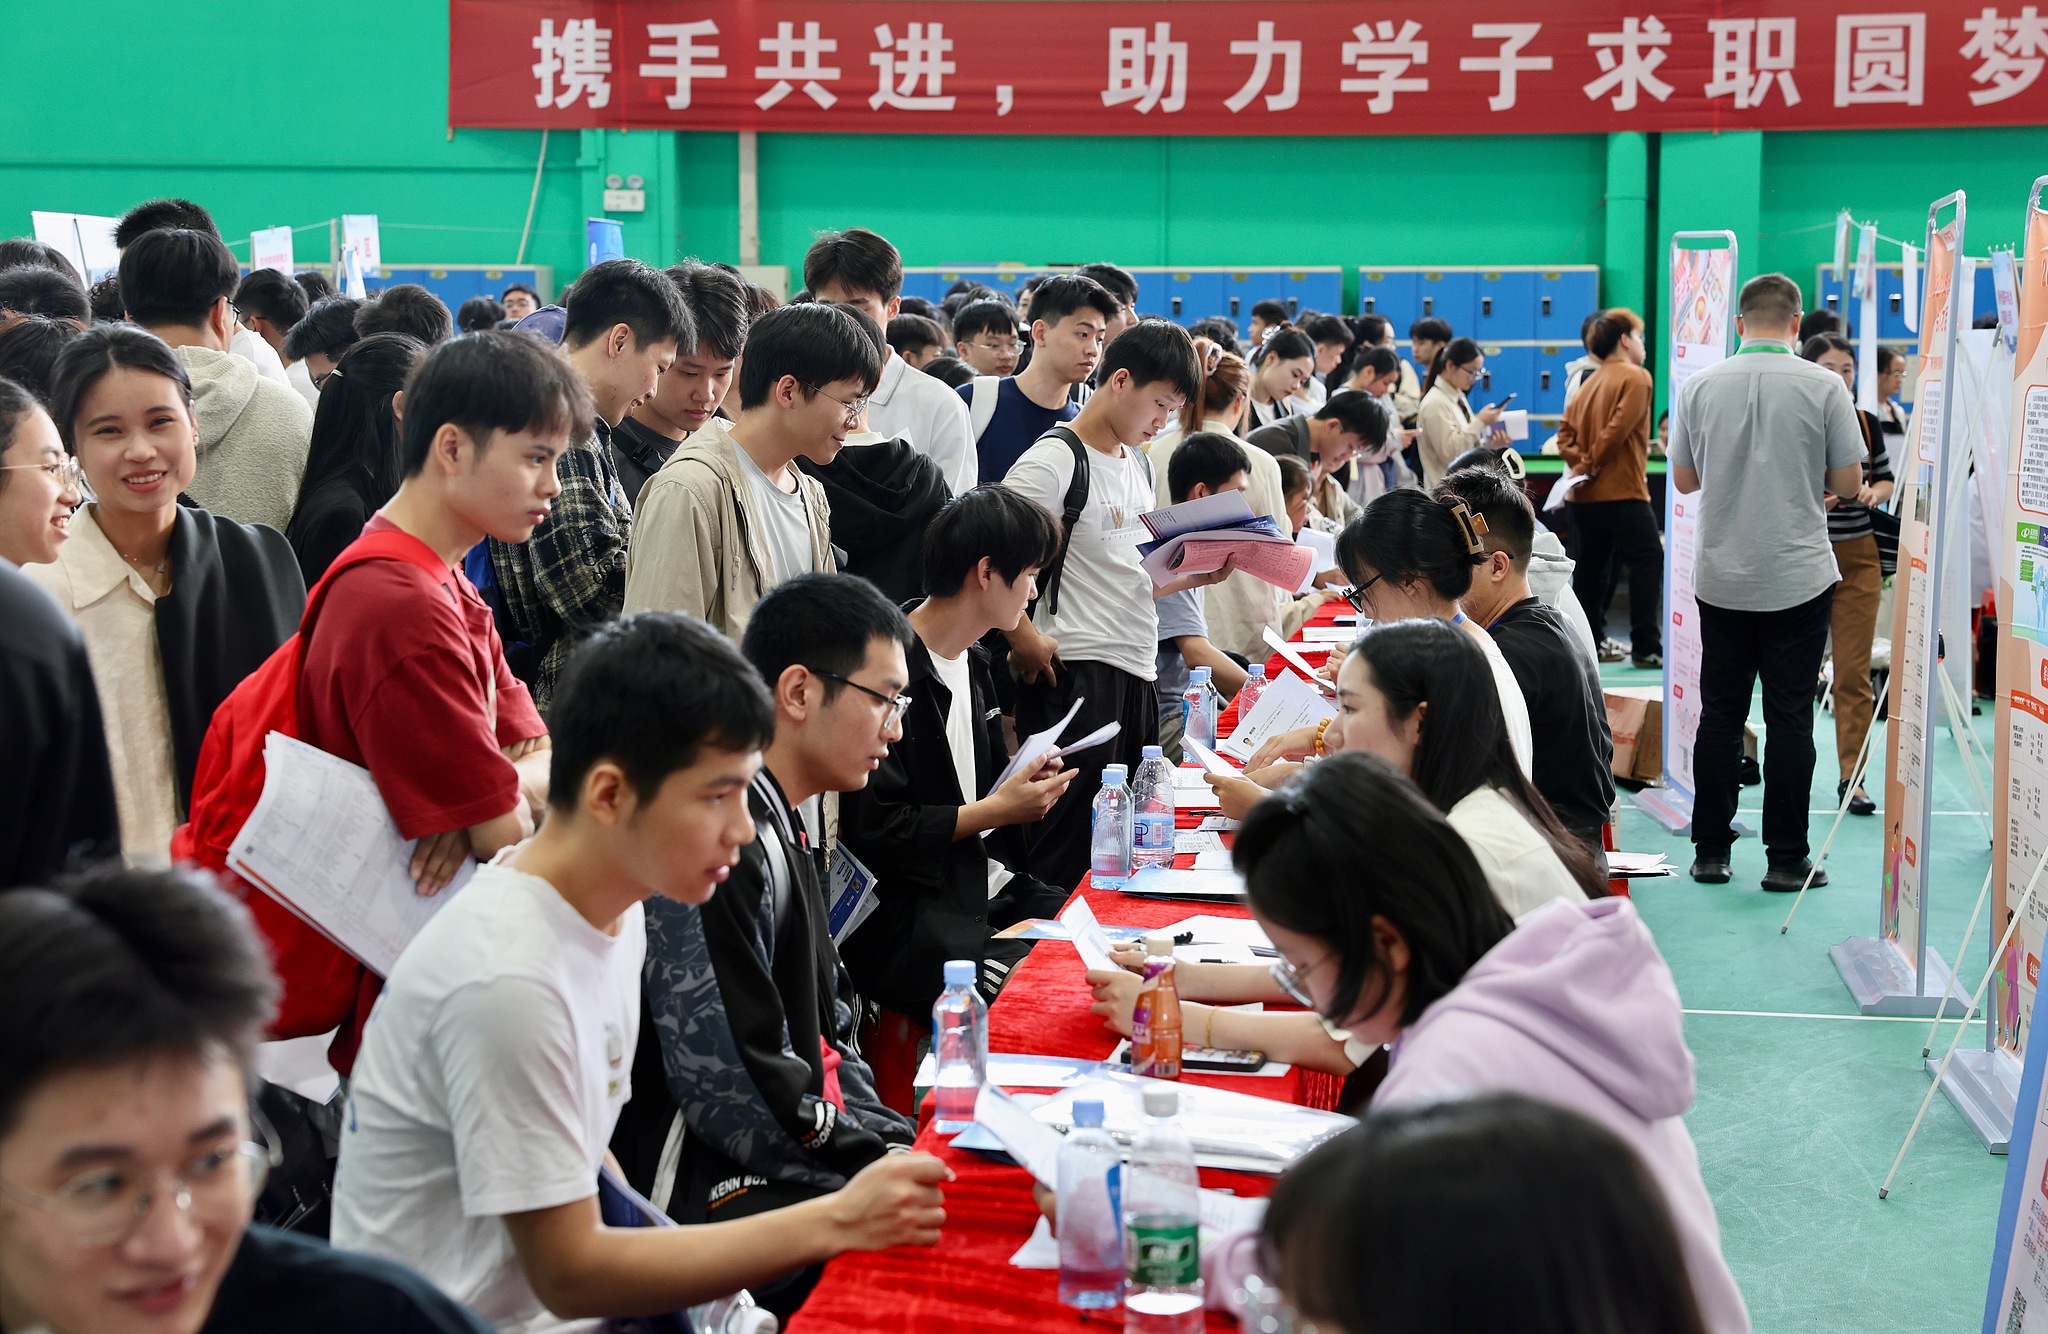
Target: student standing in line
253 433
1852 617
1279 373
1446 424
1119 284
921 340
689 392
176 604
622 325
1426 337
1095 634
859 268
150 992
29 346
478 314
1333 340
318 340
172 214
519 301
269 303
1762 435
1605 437
946 856
56 781
1571 744
985 336
502 1052
1071 321
354 464
729 516
407 308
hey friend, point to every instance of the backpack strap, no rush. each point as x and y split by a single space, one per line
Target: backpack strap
384 544
981 405
1070 514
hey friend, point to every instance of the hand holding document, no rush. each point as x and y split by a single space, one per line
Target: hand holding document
1289 703
1036 747
1199 536
322 843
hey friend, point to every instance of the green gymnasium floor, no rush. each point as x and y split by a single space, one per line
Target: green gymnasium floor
1802 1102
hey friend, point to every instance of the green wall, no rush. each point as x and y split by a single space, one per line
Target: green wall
110 101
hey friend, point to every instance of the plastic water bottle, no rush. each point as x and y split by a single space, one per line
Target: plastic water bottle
959 1046
1253 687
1152 811
1155 1018
1162 1245
1091 1213
1110 831
1198 708
736 1314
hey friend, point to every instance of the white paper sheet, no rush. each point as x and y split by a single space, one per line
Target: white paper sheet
1289 655
1089 742
1515 421
1034 1144
1041 1251
1329 634
1037 746
1207 928
321 842
1166 880
1193 516
1009 1070
1089 940
1220 824
1209 759
1289 703
1216 859
1197 841
1561 490
1189 799
1323 547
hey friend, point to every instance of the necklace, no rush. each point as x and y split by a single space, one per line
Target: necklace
161 567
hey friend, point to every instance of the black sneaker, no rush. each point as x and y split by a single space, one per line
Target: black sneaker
1711 868
1790 877
1612 650
1647 662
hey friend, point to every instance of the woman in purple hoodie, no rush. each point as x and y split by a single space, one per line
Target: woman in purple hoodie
1387 928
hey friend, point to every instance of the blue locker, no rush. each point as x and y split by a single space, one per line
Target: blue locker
1246 288
1891 306
493 281
922 285
1192 296
1152 293
1448 295
1317 290
1564 297
1509 370
1390 292
1507 306
1547 371
1008 279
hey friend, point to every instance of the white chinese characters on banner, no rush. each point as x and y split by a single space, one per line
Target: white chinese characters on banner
903 62
1513 39
1634 69
1385 53
798 63
1749 56
1263 48
2011 53
1880 58
580 57
1149 71
677 56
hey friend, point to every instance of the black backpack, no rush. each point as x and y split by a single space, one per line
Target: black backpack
1070 512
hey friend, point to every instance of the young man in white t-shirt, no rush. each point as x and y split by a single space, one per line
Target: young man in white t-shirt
1095 633
499 1055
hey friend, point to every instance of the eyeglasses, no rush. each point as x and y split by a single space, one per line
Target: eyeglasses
65 472
853 411
1355 595
896 704
107 1205
1293 980
1012 346
320 380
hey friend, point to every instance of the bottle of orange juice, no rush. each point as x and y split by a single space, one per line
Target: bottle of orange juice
1155 1020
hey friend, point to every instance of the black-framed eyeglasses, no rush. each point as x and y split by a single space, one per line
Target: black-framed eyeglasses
1355 595
1293 980
896 704
853 411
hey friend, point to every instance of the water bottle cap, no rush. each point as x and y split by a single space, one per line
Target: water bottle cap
1257 671
1114 775
1198 674
1154 753
1162 1101
1088 1112
752 1320
1159 942
959 972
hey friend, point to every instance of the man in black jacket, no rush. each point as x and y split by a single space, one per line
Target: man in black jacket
942 853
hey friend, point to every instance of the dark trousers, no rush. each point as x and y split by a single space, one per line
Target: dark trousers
1057 846
1625 531
1736 648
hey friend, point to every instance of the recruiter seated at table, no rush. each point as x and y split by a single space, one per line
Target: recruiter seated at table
1388 931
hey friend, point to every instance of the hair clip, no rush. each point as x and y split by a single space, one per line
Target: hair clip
1511 460
1212 358
1472 525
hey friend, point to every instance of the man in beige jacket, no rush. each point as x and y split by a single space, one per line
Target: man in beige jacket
728 517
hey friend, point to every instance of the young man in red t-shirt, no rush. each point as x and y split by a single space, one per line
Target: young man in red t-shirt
404 673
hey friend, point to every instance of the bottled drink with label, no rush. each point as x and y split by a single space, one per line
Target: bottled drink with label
1253 687
1091 1223
1155 1019
1109 832
1152 811
1198 708
959 1048
1162 1210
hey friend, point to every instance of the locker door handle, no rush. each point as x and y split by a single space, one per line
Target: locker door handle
1176 307
1486 306
1898 303
1546 374
1486 379
1370 302
1293 306
1233 305
1834 300
1546 305
1429 305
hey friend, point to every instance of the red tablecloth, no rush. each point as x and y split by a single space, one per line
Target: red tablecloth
966 1282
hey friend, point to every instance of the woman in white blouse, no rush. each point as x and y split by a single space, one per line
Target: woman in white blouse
1281 370
1447 424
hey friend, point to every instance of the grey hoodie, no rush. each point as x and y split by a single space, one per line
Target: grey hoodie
1550 579
253 435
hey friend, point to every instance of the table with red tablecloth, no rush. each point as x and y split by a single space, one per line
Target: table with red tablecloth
966 1282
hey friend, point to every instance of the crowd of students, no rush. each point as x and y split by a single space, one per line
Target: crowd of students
654 601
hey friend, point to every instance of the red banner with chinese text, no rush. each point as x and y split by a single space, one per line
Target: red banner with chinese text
1210 67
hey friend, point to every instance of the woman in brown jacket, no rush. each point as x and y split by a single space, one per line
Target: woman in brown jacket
1605 439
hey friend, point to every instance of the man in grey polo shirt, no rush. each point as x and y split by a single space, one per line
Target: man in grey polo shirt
1758 436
